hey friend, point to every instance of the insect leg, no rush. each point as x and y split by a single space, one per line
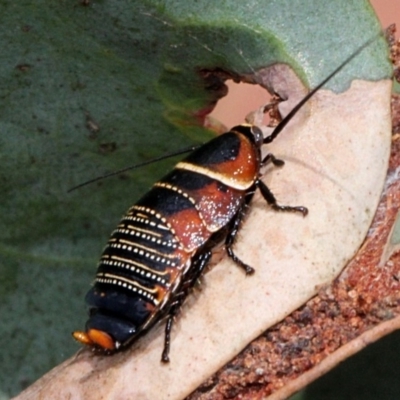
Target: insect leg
271 158
270 199
198 266
232 232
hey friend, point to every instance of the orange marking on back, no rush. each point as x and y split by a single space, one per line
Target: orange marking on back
189 228
245 167
217 204
82 337
101 339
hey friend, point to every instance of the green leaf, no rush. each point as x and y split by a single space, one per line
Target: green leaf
89 89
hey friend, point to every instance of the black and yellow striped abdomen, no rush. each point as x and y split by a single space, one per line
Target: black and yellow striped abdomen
140 268
163 242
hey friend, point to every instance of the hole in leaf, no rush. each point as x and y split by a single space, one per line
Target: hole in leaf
242 99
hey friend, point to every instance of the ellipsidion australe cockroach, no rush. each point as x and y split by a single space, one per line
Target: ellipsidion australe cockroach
164 242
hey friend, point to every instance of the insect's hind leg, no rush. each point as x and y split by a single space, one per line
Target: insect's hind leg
271 200
199 264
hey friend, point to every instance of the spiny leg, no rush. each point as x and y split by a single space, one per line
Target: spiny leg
270 199
232 232
199 264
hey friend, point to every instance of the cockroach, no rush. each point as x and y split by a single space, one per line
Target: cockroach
164 242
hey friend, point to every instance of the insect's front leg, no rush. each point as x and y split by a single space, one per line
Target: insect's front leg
271 158
271 200
269 196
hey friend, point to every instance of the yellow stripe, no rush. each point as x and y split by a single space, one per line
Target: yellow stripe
139 265
134 228
150 292
231 182
126 280
148 249
142 215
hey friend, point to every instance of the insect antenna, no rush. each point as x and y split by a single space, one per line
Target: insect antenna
120 171
266 140
304 100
